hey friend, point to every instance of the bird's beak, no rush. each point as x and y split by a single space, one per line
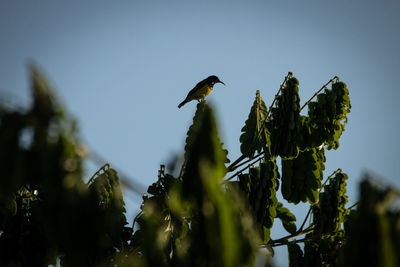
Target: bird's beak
222 82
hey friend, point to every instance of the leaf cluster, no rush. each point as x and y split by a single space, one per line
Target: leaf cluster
285 121
302 176
46 210
328 115
260 186
324 243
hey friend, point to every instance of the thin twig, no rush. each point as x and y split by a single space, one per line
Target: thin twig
352 206
305 219
329 178
126 181
309 210
287 242
286 238
233 166
102 168
247 161
243 169
290 74
323 87
135 219
182 168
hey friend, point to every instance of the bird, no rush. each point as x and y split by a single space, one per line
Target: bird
201 90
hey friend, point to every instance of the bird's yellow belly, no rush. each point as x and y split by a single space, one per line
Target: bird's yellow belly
202 92
209 89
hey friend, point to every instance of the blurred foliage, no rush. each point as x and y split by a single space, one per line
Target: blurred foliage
46 210
201 217
192 220
374 229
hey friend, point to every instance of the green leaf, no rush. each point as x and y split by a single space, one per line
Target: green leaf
255 136
267 234
288 219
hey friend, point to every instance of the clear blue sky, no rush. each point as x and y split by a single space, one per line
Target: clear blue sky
121 68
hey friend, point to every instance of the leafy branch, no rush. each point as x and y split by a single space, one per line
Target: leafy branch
235 164
322 187
301 231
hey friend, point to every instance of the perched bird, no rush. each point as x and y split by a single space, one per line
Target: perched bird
201 90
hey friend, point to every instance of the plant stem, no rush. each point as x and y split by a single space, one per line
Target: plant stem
241 164
352 206
135 219
305 219
284 240
233 166
241 170
323 87
182 168
290 74
329 178
102 168
287 242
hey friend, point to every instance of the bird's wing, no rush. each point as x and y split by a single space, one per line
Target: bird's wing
198 86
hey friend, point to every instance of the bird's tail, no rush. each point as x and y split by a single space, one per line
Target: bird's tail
182 103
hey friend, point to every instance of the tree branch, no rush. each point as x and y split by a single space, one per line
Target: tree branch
284 240
241 170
